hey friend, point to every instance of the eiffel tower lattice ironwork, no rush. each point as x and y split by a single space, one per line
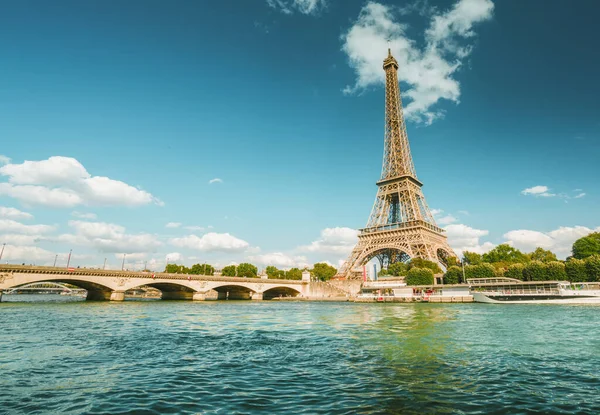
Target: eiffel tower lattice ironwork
401 225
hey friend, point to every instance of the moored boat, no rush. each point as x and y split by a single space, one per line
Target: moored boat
512 291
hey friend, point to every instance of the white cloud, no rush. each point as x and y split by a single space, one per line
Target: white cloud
12 213
215 180
436 212
537 191
580 195
303 6
211 242
27 254
20 239
446 220
64 182
334 240
464 212
9 225
4 159
135 256
464 238
173 225
108 237
82 215
195 228
279 260
173 257
558 241
428 71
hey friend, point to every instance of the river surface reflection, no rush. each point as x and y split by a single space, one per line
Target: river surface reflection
158 357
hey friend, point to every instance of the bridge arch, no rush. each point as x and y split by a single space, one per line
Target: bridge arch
280 292
95 291
386 254
234 292
172 290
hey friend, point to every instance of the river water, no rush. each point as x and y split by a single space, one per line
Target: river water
162 357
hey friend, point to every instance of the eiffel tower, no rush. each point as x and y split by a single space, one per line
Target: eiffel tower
400 226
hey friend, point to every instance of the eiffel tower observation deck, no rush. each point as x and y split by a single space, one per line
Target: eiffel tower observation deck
401 225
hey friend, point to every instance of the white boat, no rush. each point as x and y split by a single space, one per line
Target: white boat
512 291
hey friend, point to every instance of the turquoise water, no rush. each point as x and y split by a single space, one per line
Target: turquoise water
159 357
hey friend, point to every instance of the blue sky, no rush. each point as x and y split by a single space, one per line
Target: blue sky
125 111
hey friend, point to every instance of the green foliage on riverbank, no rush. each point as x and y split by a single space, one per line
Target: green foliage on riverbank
419 276
196 269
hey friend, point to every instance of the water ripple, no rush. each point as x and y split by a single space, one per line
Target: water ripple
301 358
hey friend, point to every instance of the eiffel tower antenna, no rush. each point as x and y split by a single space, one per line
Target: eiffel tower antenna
401 225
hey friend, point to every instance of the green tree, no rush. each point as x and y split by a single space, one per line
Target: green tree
294 274
543 255
176 269
587 246
535 271
514 271
505 253
576 271
323 271
555 271
419 276
228 271
202 269
480 271
453 275
424 263
274 272
397 269
247 270
452 261
592 266
472 258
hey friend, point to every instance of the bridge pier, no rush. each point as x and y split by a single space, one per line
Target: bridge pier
117 296
222 295
1 296
199 296
257 296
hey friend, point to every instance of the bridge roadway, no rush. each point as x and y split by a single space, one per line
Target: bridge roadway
111 285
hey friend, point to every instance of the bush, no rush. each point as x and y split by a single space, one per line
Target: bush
555 271
397 269
480 271
419 276
534 271
453 275
575 269
592 266
424 263
514 271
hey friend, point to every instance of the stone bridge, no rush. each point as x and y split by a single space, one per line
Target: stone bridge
111 285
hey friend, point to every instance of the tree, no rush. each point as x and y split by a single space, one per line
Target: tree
419 276
505 253
247 270
174 269
323 271
452 261
274 272
472 258
575 269
587 246
514 271
228 271
202 269
424 263
396 269
453 275
534 271
555 271
543 255
592 266
480 271
294 274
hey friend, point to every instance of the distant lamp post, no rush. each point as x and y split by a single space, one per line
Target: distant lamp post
55 258
123 264
104 266
2 252
69 258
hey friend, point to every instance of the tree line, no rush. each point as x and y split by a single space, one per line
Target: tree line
540 265
320 271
